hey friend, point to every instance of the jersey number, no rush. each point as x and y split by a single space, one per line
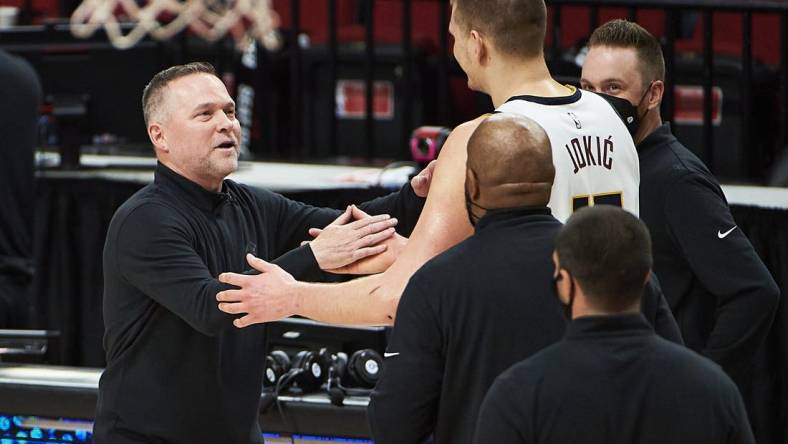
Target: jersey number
597 199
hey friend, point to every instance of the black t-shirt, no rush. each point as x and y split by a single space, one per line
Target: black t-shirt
465 317
612 380
177 370
722 295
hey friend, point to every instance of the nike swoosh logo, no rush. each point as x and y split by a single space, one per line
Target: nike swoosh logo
722 235
388 355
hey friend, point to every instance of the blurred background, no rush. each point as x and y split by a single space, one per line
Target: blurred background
350 85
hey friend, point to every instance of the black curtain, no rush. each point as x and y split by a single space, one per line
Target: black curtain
71 220
767 397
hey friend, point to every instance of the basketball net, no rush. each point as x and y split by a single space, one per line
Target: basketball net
244 20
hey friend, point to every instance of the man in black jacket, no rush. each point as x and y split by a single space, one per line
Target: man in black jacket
611 379
177 370
20 95
483 305
722 295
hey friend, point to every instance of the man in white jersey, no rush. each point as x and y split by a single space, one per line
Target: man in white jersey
499 45
485 304
593 153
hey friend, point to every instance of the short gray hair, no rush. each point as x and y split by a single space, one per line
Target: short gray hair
152 94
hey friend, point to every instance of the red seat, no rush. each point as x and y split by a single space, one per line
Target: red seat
576 23
314 16
44 9
727 35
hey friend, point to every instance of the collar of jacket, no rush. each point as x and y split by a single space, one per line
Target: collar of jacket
191 191
503 214
659 137
624 324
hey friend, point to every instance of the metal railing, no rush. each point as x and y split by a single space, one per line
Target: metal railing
285 95
445 65
368 45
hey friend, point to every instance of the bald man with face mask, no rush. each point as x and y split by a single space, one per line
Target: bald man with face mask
483 305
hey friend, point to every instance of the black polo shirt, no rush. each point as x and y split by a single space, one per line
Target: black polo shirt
177 370
722 295
465 317
612 380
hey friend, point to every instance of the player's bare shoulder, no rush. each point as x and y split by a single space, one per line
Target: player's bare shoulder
456 143
466 129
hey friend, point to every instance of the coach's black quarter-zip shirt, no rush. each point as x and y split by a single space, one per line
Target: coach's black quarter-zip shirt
178 371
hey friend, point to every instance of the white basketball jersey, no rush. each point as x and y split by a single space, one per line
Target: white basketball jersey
594 156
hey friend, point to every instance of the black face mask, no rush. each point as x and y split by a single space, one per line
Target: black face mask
628 112
565 308
469 204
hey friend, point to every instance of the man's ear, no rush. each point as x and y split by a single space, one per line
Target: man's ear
157 137
564 285
478 47
655 94
472 184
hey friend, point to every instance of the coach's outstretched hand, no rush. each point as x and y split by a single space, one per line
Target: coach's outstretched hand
371 260
343 242
263 297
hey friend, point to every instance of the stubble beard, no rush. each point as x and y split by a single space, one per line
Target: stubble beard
219 165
